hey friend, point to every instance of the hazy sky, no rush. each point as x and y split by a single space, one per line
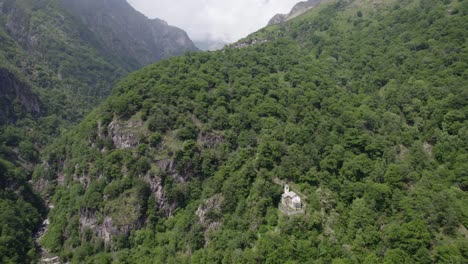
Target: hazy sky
228 20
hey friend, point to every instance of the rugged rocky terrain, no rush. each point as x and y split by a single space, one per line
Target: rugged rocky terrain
361 105
16 98
298 9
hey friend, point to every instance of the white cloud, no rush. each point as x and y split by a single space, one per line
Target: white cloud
227 20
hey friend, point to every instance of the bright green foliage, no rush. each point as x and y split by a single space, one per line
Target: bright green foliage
362 106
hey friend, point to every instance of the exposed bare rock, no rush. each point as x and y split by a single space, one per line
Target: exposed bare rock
106 230
123 135
16 94
278 18
247 43
41 185
299 9
60 178
208 212
167 165
156 187
89 220
120 220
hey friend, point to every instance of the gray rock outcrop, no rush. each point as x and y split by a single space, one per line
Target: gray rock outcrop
16 98
299 9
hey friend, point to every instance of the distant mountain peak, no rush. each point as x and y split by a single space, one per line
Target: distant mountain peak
127 32
299 9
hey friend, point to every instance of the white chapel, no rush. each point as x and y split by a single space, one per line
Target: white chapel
290 200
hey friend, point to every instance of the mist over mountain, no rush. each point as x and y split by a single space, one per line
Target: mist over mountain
213 19
210 45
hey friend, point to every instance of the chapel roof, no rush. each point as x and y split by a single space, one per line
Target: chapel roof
290 194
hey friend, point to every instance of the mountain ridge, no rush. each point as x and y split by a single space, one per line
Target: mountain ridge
138 37
297 10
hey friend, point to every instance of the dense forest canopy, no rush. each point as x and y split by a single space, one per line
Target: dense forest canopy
54 69
360 105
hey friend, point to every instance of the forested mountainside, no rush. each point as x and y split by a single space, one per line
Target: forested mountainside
360 105
74 59
54 68
51 75
57 58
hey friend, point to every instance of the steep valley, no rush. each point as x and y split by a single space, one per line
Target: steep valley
55 67
360 105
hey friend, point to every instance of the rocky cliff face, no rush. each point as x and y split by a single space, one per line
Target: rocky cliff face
16 98
125 31
16 23
299 9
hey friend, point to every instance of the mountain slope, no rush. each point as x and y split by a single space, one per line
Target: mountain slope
360 105
298 9
14 94
79 58
61 59
128 33
51 74
53 70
